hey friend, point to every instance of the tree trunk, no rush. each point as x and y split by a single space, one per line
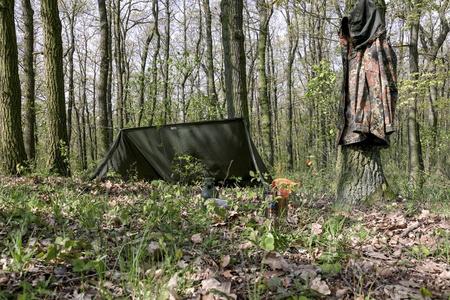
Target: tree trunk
102 87
71 93
154 84
29 82
166 98
239 86
185 69
212 94
360 177
154 73
273 97
109 104
85 114
13 152
234 59
142 77
119 68
415 151
265 12
226 44
56 114
81 130
293 44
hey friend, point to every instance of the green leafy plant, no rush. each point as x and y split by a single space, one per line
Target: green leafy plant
188 169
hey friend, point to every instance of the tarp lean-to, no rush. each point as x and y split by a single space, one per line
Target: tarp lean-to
224 147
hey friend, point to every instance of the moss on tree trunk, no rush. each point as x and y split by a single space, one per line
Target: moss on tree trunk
360 177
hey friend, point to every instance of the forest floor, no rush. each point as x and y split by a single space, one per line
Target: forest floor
77 239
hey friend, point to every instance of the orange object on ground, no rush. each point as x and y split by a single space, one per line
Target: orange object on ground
284 186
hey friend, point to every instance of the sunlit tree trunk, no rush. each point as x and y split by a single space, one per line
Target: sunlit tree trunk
292 48
226 44
154 82
70 15
82 154
13 152
273 94
85 113
166 98
29 82
212 94
102 85
56 115
360 177
118 53
186 70
415 148
265 12
143 75
235 66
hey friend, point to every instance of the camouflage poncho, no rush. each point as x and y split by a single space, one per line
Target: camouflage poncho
369 88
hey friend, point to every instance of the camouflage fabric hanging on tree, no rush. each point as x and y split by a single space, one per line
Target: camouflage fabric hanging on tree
369 88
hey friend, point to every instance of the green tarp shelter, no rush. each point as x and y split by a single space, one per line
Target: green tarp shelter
223 148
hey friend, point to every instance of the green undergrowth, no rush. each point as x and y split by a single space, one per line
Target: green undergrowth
111 239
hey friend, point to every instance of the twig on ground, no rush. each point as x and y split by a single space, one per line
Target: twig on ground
414 226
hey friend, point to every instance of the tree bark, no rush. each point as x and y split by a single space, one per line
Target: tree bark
414 146
226 44
265 12
212 94
29 82
102 87
85 114
71 93
239 86
109 104
292 48
56 114
13 153
166 98
360 177
154 84
142 76
119 67
234 59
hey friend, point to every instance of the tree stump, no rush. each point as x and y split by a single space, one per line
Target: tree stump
360 177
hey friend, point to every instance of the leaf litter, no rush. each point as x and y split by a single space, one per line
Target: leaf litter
126 240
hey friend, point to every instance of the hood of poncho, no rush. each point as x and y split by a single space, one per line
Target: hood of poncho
364 23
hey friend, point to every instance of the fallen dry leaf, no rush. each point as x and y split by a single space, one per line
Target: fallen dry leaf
424 214
321 286
386 272
171 287
227 274
307 272
246 245
277 262
212 283
397 291
197 238
316 229
445 275
341 293
377 255
270 274
225 261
